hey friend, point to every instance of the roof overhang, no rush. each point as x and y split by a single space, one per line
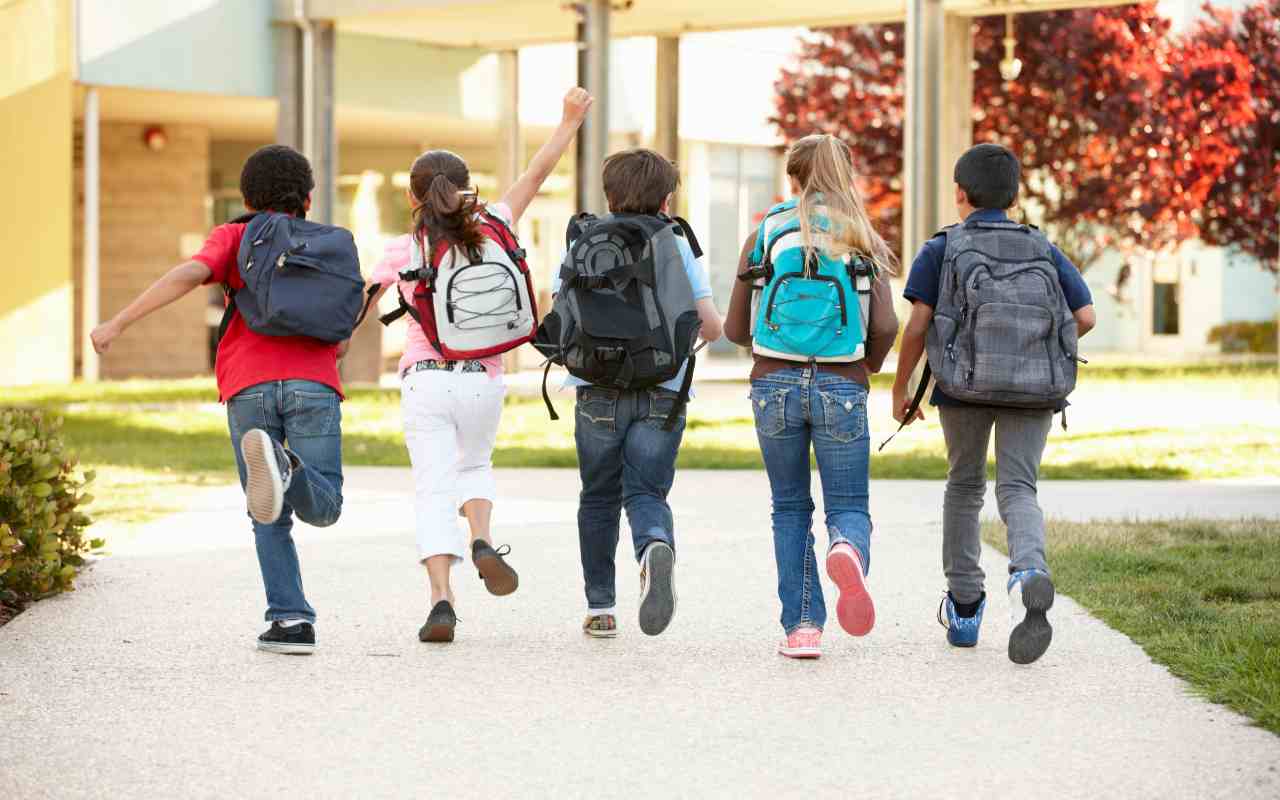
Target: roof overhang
498 25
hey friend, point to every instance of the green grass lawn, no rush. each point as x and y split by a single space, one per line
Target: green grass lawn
1200 597
151 440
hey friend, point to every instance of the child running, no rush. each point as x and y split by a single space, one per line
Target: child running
1001 311
631 301
451 408
823 323
279 389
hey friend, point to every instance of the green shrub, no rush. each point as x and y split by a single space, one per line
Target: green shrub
1245 337
42 542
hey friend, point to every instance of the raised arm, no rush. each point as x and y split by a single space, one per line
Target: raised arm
522 192
175 283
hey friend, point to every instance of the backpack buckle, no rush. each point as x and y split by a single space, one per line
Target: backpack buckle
610 353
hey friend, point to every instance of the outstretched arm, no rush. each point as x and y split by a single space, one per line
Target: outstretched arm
175 283
522 192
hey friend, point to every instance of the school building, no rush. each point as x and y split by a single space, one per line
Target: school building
123 127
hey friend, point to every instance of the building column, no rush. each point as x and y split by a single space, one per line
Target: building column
666 132
923 100
305 62
593 75
89 282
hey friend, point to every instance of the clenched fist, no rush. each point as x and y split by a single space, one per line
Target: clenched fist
576 104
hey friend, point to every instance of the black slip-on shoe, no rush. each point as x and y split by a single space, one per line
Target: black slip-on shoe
499 578
296 640
440 624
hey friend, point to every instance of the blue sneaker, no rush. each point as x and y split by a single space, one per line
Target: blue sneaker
961 631
1030 597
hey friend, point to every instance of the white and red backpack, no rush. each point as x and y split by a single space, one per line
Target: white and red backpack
471 305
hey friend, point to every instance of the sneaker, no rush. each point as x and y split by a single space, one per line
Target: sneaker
601 626
802 643
854 609
657 590
499 578
1030 597
961 631
440 624
269 470
298 640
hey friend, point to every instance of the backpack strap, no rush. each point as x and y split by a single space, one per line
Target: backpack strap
546 398
915 403
504 235
230 294
682 399
683 229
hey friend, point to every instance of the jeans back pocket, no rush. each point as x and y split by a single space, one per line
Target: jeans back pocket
598 406
312 413
844 411
769 406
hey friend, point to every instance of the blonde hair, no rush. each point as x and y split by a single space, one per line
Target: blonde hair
822 167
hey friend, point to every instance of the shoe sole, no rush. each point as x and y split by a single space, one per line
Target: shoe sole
263 487
800 652
613 634
954 643
498 576
288 649
658 605
854 609
1030 638
439 633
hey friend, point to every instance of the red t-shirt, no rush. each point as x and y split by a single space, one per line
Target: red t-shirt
246 358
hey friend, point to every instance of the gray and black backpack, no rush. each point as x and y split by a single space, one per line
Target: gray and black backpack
624 316
1002 333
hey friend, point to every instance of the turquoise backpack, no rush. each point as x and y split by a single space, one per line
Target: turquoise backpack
812 310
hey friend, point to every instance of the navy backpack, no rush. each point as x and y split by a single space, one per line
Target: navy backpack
301 278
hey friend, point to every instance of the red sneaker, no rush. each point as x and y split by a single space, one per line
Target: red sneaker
854 609
802 643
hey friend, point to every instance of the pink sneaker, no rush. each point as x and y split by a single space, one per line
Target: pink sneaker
854 609
802 643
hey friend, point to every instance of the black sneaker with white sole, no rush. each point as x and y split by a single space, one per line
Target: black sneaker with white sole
269 471
657 588
499 578
297 640
440 624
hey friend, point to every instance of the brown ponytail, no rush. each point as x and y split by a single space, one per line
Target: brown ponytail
440 183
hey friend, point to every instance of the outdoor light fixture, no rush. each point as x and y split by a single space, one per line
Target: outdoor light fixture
154 138
1010 65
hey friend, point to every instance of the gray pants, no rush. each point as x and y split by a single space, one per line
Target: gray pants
1020 440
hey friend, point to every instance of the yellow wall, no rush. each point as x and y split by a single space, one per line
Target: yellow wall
35 208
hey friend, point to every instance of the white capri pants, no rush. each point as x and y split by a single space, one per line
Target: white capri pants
450 424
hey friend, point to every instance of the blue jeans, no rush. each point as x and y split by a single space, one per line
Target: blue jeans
307 416
794 407
626 461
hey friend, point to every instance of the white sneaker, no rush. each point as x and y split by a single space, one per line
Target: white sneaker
269 472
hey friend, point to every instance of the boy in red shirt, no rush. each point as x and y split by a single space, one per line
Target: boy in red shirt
277 389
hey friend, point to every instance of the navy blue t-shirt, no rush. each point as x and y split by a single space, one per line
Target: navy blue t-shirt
924 281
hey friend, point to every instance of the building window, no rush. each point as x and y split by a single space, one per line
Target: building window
1164 311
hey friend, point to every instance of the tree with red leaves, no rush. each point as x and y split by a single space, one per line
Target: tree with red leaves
1122 133
1242 208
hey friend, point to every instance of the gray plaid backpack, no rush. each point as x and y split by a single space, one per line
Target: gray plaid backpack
624 316
1002 333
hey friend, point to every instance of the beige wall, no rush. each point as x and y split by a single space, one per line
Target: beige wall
148 201
35 208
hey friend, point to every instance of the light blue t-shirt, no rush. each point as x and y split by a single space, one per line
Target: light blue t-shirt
698 279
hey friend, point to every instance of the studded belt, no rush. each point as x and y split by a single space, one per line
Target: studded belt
433 364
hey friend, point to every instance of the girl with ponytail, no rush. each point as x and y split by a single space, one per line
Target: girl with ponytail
451 409
798 403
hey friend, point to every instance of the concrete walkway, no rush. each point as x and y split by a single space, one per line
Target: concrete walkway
145 682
